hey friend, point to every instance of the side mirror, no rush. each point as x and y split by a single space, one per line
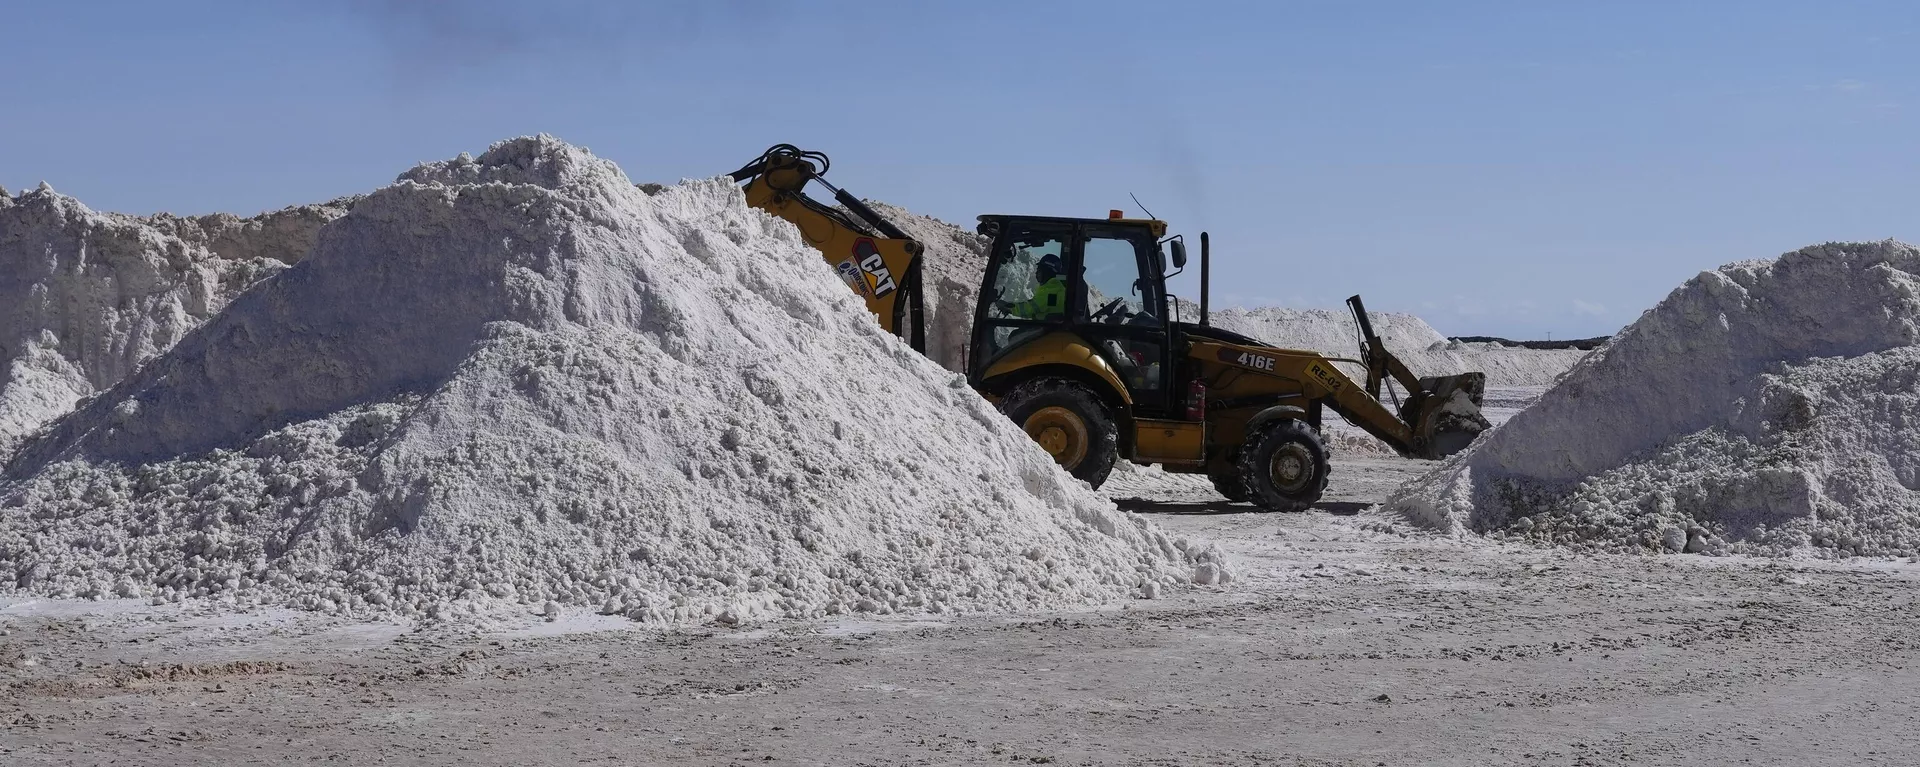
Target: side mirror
1179 254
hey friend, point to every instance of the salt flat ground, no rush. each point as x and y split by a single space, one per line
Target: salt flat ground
1343 642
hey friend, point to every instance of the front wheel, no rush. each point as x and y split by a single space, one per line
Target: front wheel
1285 466
1229 485
1070 423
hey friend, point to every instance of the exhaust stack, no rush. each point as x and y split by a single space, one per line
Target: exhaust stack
1206 274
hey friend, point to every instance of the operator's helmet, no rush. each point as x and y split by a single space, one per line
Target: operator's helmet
1048 268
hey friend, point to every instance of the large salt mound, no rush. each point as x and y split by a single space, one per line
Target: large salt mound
1766 408
519 380
87 297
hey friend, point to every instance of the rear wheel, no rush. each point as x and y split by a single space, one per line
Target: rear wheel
1285 466
1069 422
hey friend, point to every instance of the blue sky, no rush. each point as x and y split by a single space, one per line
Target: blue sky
1504 168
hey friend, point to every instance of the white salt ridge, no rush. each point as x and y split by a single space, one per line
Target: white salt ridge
1322 330
284 235
1765 408
87 297
517 380
1425 351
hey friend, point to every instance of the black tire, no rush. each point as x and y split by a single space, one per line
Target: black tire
1069 422
1274 464
1227 481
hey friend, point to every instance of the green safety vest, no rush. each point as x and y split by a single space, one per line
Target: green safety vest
1048 301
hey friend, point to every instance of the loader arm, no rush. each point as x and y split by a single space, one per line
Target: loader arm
1380 363
1318 380
1364 410
877 260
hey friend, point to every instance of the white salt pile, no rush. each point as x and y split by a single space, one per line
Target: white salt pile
520 383
1766 408
86 297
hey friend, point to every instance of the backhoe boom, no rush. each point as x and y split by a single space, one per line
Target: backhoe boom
875 258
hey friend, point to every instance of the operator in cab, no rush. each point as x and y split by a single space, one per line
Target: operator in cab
1049 299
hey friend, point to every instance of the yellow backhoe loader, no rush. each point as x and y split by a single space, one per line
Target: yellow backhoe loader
1075 338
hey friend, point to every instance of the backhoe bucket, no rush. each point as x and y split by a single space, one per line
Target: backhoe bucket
1446 415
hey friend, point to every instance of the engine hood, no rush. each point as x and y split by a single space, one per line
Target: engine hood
1210 333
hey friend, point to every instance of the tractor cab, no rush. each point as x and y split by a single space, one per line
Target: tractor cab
1079 306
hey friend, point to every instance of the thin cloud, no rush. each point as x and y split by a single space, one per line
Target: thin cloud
1466 307
1588 308
429 38
1846 85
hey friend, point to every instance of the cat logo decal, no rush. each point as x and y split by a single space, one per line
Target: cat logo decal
878 279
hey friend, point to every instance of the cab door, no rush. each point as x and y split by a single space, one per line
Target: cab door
1117 303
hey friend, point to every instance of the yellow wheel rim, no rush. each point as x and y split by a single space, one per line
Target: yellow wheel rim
1060 432
1291 467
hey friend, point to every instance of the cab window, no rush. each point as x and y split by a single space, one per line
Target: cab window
1031 283
1026 293
1118 288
